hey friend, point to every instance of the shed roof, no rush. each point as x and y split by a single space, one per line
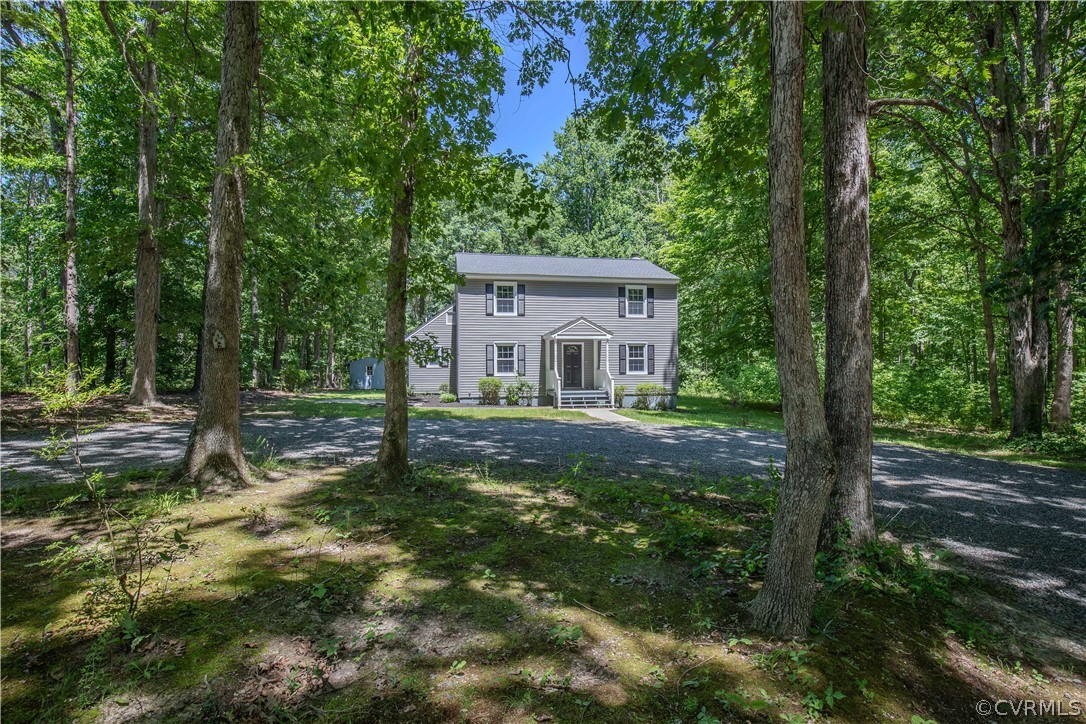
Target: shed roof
530 265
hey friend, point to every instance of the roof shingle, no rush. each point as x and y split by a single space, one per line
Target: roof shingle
522 265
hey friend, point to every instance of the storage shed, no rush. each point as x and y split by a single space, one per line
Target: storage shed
367 373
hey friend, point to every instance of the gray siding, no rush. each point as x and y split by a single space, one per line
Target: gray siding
426 380
550 303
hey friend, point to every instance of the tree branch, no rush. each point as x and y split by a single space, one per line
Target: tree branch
874 106
103 5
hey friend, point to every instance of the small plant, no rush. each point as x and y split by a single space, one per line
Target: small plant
563 635
519 392
490 390
620 395
443 387
650 396
447 397
410 390
457 668
256 516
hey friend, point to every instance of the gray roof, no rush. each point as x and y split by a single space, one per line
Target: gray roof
528 265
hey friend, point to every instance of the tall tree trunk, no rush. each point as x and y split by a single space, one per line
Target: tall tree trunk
989 341
1060 414
148 284
783 606
111 354
330 358
254 321
71 275
1025 293
848 272
392 462
214 453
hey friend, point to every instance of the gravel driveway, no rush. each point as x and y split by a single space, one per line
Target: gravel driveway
1021 524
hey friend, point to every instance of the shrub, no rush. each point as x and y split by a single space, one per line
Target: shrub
410 390
448 397
520 392
620 395
293 379
650 396
490 390
443 387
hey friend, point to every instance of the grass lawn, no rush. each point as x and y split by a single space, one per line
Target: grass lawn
707 411
354 404
482 594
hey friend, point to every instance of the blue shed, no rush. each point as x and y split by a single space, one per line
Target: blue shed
367 373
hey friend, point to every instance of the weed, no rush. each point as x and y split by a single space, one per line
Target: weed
563 635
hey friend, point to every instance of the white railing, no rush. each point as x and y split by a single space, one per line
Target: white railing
609 385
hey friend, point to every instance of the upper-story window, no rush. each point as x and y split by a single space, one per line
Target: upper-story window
505 298
635 301
449 318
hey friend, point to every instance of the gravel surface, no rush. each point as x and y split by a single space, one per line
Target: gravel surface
1024 525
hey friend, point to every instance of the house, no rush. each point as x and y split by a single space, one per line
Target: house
572 327
367 373
427 375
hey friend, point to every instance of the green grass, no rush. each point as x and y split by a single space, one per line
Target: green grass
489 594
707 411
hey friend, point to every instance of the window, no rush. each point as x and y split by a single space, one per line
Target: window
635 301
369 370
635 358
449 318
506 362
505 298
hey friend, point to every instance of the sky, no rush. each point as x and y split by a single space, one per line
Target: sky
526 125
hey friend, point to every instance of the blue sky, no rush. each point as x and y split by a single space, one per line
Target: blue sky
527 124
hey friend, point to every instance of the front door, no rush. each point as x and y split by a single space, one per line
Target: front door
571 365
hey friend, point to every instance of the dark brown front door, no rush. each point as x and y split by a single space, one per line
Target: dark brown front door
571 365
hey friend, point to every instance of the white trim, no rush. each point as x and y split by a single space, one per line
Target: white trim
563 345
644 301
482 276
514 372
448 318
603 333
644 359
505 284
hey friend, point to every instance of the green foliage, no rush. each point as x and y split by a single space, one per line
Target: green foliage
294 379
519 392
490 390
447 397
620 396
650 396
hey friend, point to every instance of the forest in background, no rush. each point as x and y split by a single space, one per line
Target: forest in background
682 183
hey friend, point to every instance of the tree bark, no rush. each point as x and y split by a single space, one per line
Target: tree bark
330 358
989 341
71 275
783 606
254 322
214 455
848 272
392 462
1060 414
1026 295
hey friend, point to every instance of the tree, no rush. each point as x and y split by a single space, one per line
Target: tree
145 345
71 276
848 396
783 606
214 454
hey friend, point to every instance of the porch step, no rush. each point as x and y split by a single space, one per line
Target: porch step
583 398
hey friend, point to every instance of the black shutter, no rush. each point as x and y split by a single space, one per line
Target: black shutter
490 300
622 359
520 300
650 295
520 360
490 360
650 352
622 301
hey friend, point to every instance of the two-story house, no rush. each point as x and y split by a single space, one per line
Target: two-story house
573 327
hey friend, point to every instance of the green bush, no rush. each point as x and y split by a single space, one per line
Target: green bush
447 396
294 379
620 396
443 387
490 390
650 396
519 393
